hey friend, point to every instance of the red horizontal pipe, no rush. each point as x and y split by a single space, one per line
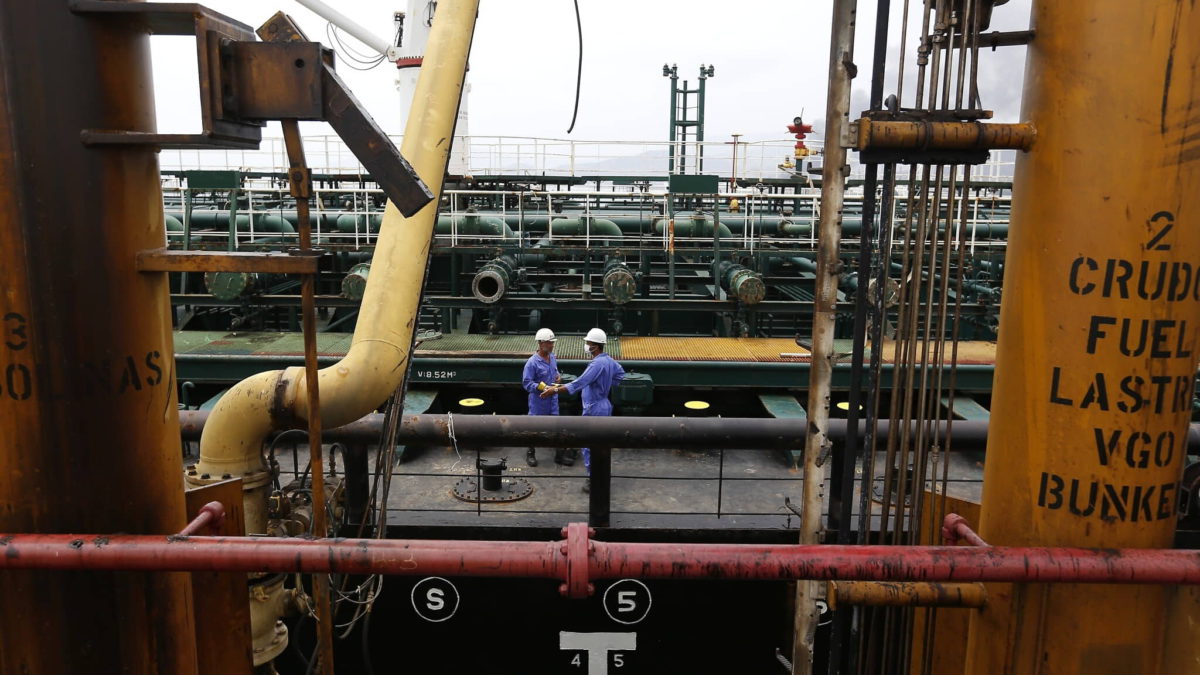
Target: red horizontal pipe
601 560
274 554
895 563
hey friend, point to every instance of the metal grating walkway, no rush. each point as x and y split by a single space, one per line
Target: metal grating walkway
712 349
508 346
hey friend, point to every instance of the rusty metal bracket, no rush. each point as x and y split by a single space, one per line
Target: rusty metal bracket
289 78
165 260
276 80
372 147
244 83
220 128
1012 38
300 182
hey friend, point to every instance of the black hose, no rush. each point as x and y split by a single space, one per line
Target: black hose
271 453
366 650
294 643
313 662
579 70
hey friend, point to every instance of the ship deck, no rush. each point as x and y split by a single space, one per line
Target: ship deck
712 362
654 489
690 489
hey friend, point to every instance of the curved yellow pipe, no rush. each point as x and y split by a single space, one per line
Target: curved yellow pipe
232 441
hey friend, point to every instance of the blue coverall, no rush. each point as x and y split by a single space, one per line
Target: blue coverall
602 374
538 370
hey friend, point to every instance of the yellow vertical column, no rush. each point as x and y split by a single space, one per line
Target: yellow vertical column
1098 333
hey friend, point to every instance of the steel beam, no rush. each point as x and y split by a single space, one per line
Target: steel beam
164 260
531 302
618 432
723 374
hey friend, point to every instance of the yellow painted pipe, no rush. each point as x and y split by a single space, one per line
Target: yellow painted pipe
377 360
905 594
1099 333
873 134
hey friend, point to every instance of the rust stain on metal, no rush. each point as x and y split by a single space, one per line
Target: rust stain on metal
281 413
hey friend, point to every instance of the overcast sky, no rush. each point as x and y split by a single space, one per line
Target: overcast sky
771 59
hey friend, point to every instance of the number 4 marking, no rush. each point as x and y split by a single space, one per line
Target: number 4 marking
1154 244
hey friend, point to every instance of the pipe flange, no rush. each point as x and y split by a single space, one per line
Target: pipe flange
354 284
197 477
489 286
230 285
271 650
578 552
748 287
620 286
269 635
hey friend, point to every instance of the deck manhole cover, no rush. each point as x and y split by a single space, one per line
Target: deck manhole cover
511 490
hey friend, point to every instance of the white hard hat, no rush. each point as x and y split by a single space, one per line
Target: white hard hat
596 335
545 335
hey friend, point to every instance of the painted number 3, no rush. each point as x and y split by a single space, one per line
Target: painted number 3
17 380
15 337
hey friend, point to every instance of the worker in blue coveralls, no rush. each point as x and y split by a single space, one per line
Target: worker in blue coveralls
541 373
602 374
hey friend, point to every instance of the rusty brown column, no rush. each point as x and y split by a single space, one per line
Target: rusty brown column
88 422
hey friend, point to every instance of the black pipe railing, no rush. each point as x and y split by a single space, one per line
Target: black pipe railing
599 433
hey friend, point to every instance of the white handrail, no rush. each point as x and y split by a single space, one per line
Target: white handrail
985 209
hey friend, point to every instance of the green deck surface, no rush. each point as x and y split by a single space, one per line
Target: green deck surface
967 408
787 407
225 358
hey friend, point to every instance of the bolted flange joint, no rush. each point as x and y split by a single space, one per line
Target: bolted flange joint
578 551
